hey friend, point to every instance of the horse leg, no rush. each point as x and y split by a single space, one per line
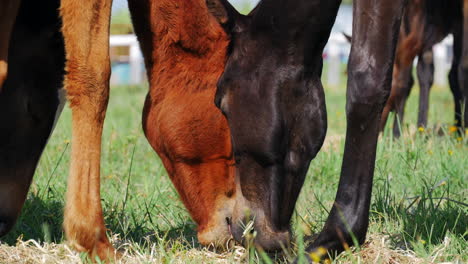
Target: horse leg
463 67
403 92
28 103
389 107
453 75
375 32
86 34
8 11
425 71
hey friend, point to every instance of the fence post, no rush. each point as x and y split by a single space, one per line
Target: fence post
334 63
440 66
136 63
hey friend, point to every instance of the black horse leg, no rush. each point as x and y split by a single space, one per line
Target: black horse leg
453 75
426 79
28 101
375 31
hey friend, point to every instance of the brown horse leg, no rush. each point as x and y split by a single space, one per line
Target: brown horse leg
375 32
426 79
389 107
401 87
8 11
400 102
86 35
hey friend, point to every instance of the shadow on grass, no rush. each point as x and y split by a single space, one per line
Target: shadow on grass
425 219
40 219
140 225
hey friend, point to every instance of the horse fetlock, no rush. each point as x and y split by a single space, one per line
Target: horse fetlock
88 236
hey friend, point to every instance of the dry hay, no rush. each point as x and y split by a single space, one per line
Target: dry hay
32 252
376 250
29 252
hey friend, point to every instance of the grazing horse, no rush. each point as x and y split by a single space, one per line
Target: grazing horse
272 97
425 23
180 119
185 51
30 97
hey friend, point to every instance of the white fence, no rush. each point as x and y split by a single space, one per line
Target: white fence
335 54
135 58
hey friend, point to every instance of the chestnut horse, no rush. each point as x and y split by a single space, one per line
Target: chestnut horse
425 23
180 119
185 51
270 92
272 97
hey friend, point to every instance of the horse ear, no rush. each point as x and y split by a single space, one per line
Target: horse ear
225 13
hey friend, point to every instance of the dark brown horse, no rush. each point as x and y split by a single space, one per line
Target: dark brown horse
194 143
273 99
270 92
425 23
29 98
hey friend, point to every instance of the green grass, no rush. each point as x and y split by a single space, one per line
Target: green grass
419 182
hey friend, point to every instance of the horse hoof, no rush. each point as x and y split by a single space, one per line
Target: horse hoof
105 251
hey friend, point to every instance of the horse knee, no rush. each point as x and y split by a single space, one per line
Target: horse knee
366 93
88 85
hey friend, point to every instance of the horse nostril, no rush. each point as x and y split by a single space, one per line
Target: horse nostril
228 222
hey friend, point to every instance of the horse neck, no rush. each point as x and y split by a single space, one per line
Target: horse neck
187 23
189 48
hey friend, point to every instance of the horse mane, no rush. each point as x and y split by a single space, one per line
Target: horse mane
187 40
196 33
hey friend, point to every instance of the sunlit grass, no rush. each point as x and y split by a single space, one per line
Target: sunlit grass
418 211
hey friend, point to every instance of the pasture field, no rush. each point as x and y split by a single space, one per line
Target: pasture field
419 211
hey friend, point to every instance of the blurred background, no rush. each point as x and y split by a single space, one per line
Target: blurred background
128 67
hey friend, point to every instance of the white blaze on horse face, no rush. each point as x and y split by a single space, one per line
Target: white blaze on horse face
216 231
